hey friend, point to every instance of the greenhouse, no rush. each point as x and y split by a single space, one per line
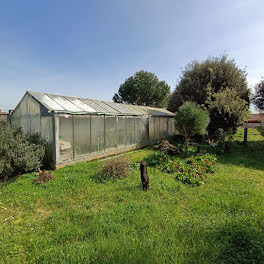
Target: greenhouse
84 129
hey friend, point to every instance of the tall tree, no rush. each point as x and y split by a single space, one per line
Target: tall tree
258 98
144 88
191 119
200 81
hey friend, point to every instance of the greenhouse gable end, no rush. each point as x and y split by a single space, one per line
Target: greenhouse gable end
84 129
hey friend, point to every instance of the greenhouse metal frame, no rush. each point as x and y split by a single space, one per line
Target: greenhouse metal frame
84 129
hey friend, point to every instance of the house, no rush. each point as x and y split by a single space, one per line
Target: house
84 129
255 120
3 115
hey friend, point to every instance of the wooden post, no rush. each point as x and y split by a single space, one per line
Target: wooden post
144 175
245 135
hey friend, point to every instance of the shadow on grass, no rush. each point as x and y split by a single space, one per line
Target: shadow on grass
239 243
249 156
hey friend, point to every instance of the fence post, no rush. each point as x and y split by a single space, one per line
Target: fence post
245 135
144 175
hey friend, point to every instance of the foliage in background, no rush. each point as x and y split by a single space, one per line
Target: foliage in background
17 154
200 80
228 109
116 168
144 88
191 119
258 98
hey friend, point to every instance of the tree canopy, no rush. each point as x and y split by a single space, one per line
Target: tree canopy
191 119
201 81
228 109
258 98
144 88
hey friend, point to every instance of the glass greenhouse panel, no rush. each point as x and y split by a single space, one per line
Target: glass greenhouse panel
97 133
110 132
34 107
121 131
24 106
82 142
151 128
47 128
173 129
66 137
34 125
165 126
157 127
169 127
130 130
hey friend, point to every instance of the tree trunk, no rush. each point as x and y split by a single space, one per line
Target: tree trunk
186 146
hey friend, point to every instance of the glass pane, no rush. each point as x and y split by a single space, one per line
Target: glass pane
66 137
24 106
25 124
121 131
165 127
169 126
157 128
34 125
151 128
110 132
47 128
34 107
138 130
130 130
145 129
81 135
97 136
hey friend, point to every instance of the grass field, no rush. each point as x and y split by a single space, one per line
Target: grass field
76 219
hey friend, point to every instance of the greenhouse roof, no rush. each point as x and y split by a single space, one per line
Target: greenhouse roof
74 105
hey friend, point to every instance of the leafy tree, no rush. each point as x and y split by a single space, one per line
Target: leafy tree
258 99
191 119
201 80
228 109
144 88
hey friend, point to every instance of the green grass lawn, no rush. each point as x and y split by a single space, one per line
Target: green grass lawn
76 219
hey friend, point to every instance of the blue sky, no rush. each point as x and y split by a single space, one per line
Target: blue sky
88 48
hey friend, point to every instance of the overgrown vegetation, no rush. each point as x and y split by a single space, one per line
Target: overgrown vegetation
191 171
17 154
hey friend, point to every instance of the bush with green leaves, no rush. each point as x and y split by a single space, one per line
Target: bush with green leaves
190 120
17 154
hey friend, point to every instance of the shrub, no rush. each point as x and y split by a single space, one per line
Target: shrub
47 160
156 159
43 177
191 171
116 168
17 154
167 148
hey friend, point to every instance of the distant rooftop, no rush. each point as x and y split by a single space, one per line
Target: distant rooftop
3 113
256 118
75 105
